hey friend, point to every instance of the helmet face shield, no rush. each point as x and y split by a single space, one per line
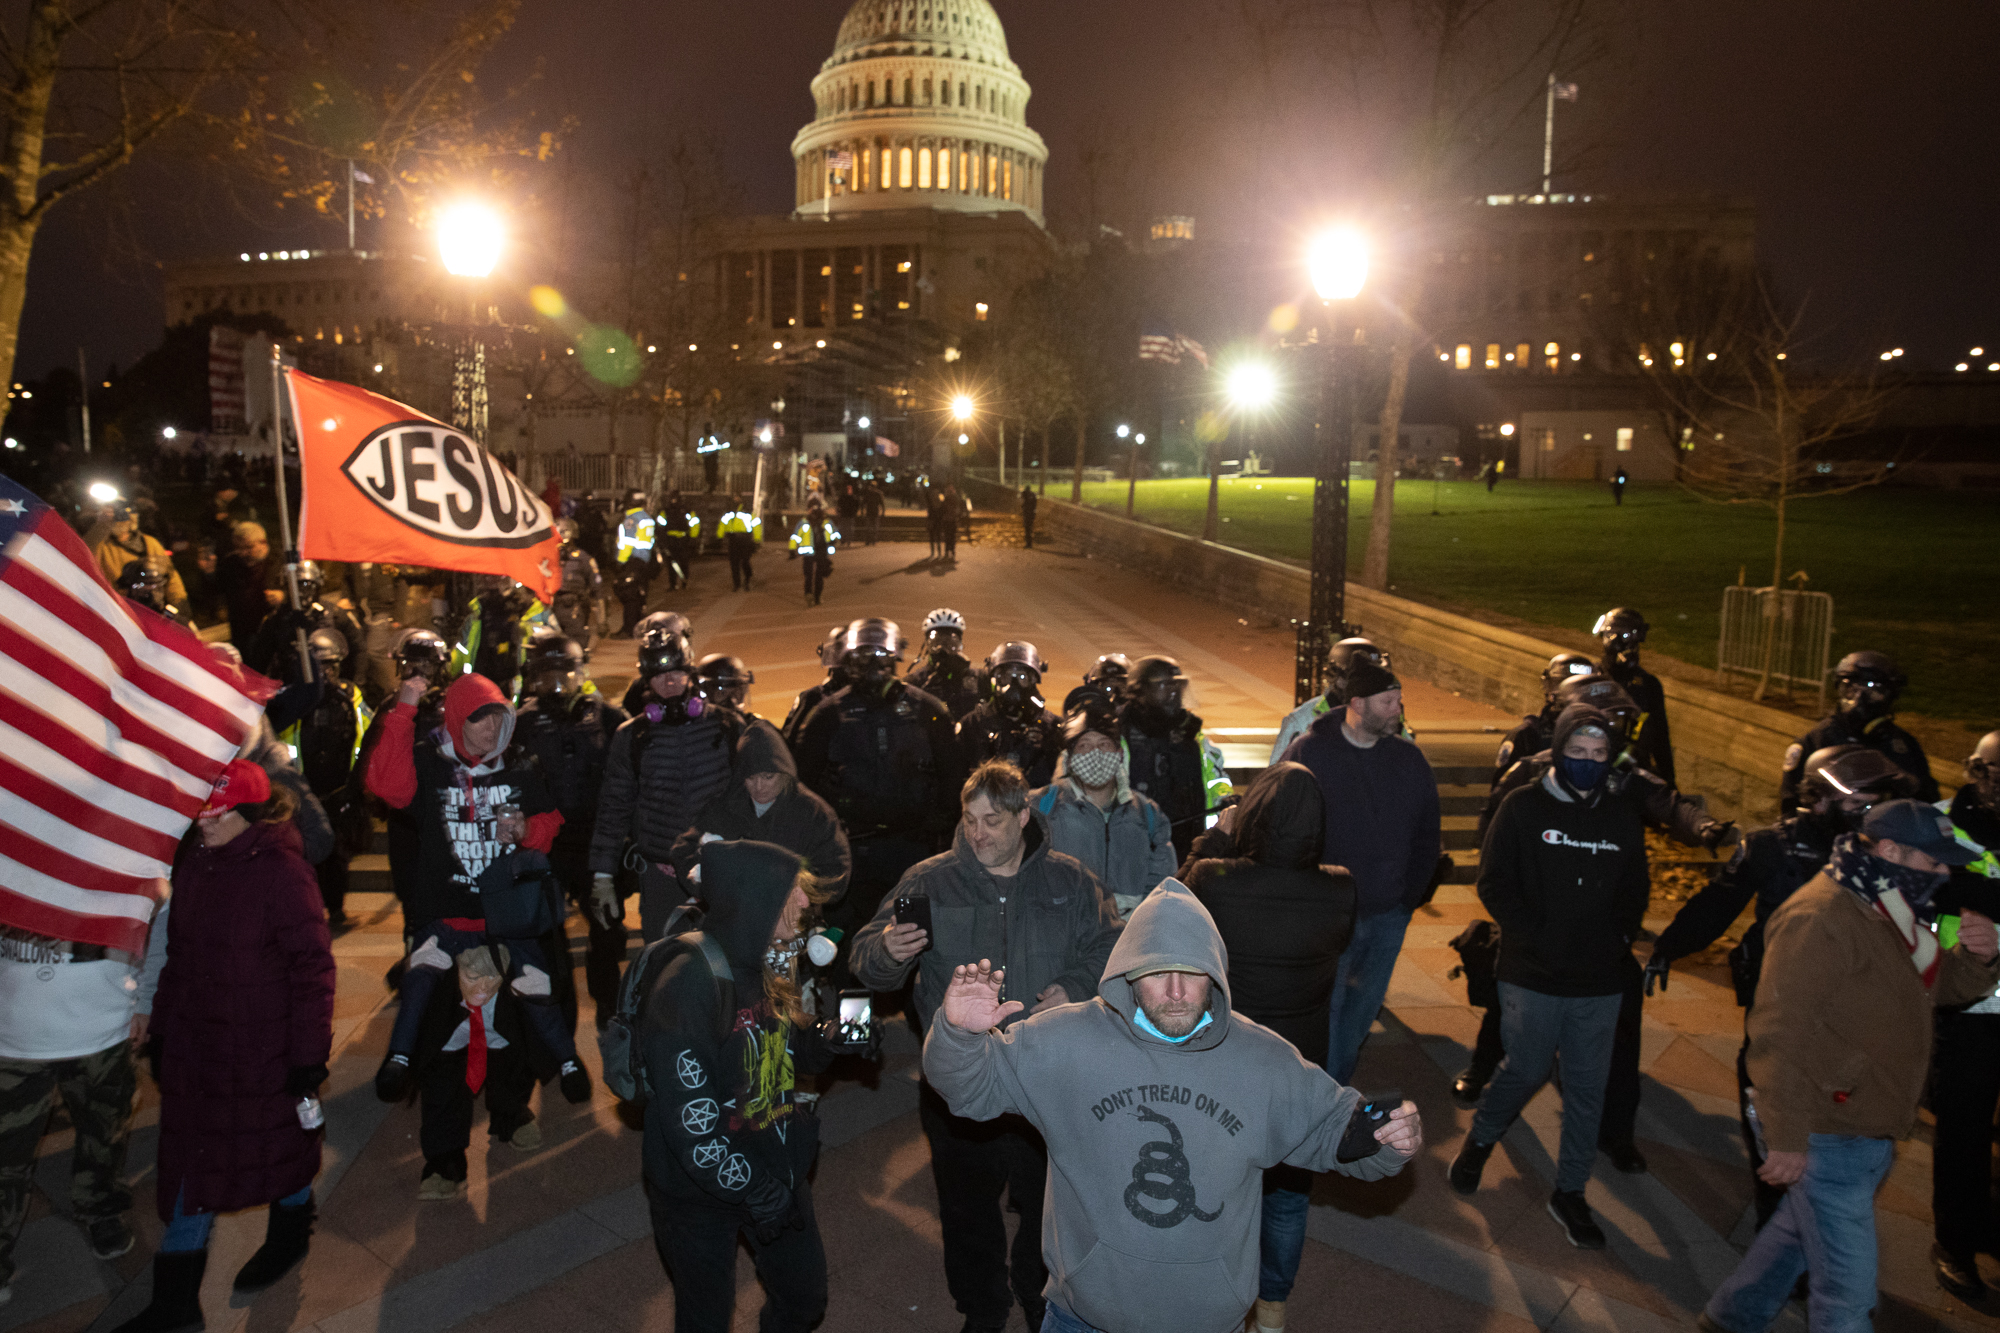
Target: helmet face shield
421 653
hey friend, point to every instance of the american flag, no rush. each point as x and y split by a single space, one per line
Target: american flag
1190 347
114 724
1157 344
1565 92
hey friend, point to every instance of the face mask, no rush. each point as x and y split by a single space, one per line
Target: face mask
1867 705
1095 768
1019 702
1582 774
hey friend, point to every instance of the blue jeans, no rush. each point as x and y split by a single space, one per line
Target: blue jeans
1358 989
1059 1320
1825 1226
188 1232
1534 1027
1281 1241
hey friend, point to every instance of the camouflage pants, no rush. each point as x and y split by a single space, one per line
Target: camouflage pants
97 1090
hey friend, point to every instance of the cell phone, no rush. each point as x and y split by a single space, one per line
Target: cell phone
857 1014
916 911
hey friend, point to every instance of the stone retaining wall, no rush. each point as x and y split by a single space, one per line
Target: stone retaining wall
1728 749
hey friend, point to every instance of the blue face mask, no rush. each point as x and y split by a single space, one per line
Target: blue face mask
1582 774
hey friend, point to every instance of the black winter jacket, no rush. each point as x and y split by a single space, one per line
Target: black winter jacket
888 765
1882 736
957 684
798 821
684 763
571 740
1769 866
1284 918
1031 747
1566 880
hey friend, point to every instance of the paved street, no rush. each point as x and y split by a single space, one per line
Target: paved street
558 1238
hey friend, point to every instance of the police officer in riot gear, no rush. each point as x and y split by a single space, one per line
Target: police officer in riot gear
679 530
1838 785
637 544
1531 736
885 756
567 725
650 630
1622 630
1340 659
664 765
495 637
579 608
139 582
274 649
1014 723
725 681
1173 760
419 652
810 697
1870 683
1108 684
945 673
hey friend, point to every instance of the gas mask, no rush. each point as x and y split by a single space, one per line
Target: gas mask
1866 701
872 670
1015 695
683 707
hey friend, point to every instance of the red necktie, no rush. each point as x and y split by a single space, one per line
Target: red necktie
475 1051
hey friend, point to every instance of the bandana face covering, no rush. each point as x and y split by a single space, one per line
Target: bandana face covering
1095 768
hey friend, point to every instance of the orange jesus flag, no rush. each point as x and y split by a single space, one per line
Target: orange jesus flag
385 483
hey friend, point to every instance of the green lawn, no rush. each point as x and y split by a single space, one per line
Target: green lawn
1910 571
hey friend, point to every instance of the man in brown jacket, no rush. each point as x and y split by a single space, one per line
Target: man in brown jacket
1840 1041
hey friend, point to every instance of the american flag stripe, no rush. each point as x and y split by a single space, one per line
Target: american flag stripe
113 726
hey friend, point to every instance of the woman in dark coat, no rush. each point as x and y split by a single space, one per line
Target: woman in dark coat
242 1028
1285 919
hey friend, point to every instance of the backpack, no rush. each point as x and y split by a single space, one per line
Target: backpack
619 1043
1478 949
1048 803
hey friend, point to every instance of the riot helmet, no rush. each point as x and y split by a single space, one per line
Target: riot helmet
1870 683
1562 667
552 665
1343 658
662 650
328 648
1158 686
308 574
421 653
143 584
1854 779
1608 697
1112 674
1014 681
566 531
672 621
869 650
723 679
1621 630
944 631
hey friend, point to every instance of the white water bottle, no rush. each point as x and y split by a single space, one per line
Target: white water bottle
311 1114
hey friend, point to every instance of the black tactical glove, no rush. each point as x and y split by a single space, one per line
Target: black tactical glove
1656 970
1358 1141
303 1080
1718 833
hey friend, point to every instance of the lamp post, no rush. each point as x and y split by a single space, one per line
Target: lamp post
1132 472
1251 388
961 412
469 240
1338 263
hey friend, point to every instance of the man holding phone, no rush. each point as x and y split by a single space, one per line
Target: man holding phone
1001 893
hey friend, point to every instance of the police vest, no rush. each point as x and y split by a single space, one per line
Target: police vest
635 536
737 523
680 527
802 539
322 751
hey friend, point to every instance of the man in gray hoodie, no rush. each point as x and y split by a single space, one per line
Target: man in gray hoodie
1161 1108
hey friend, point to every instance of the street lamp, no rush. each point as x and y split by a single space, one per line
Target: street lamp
1337 261
961 407
469 241
1251 387
1132 471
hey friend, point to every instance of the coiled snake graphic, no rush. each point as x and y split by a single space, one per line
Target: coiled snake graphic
1163 1160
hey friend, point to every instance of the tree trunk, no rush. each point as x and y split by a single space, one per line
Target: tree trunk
1042 482
1076 478
34 84
657 489
1375 565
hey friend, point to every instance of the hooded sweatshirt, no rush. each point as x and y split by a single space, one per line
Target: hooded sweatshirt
1129 847
798 820
1052 921
1564 874
723 1127
1284 918
455 796
1156 1148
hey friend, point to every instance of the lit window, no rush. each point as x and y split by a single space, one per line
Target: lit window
1548 439
992 174
1523 353
905 168
923 168
1493 356
979 312
1552 357
964 169
1007 178
1551 350
1624 439
903 267
1464 358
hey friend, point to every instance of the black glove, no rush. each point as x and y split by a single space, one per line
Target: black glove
1656 970
1358 1140
1716 833
771 1210
304 1080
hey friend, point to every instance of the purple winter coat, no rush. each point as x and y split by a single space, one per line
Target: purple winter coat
246 995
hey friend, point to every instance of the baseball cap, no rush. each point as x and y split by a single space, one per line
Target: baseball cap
1915 824
1365 678
1149 970
241 783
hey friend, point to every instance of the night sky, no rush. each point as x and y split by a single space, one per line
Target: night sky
1865 134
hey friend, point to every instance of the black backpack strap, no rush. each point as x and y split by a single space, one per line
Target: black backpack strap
725 983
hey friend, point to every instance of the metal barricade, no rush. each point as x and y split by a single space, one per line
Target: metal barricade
1777 640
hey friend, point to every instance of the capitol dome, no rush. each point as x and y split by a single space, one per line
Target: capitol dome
920 106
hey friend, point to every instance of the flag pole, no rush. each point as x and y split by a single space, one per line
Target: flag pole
284 506
350 205
1548 141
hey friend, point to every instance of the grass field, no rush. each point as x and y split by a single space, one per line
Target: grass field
1911 572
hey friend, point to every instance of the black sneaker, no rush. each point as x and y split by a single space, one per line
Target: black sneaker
392 1080
1568 1208
1958 1275
110 1238
574 1081
1468 1165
